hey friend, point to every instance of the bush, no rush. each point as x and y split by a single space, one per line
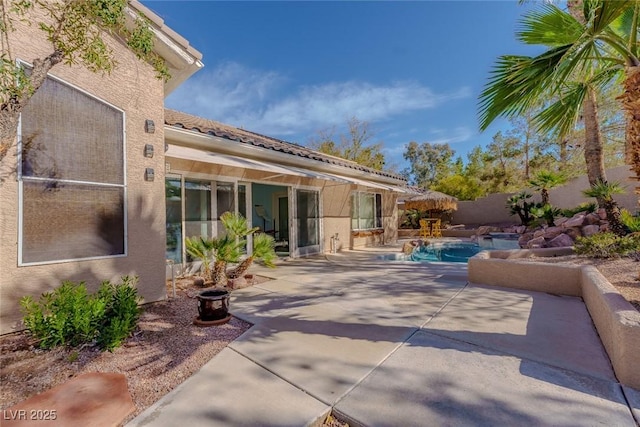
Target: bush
582 207
608 245
70 316
632 222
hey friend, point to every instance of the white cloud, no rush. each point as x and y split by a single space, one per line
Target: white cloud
234 94
459 134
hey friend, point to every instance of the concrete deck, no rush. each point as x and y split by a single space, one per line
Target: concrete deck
388 344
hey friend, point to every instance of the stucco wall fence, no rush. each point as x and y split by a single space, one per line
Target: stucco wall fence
616 320
492 209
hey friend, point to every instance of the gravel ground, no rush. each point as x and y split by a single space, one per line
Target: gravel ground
165 350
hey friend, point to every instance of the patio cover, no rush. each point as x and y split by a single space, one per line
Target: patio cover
186 153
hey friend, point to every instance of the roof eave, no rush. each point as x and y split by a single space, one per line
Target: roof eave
203 141
181 58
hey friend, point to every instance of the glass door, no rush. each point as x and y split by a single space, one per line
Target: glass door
173 205
307 221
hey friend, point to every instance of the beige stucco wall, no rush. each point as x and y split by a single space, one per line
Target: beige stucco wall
132 87
491 209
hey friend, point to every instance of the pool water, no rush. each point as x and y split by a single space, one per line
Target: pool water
445 252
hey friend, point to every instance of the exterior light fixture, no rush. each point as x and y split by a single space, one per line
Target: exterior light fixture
148 150
149 174
149 126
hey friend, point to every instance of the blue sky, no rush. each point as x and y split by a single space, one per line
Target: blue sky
413 70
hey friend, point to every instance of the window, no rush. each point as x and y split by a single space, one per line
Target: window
71 177
366 212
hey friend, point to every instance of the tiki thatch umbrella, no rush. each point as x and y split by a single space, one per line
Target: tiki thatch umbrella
431 200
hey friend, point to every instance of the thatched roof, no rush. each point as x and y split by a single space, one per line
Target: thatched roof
431 200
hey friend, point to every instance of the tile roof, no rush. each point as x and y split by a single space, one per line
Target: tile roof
187 121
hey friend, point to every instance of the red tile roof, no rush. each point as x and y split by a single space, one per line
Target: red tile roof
210 127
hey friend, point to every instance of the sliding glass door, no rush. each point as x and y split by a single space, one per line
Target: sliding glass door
307 221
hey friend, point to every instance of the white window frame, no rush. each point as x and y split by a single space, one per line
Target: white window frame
355 209
21 180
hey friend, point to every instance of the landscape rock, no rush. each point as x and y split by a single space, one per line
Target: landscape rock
573 232
537 242
589 230
524 239
576 221
538 233
552 232
591 219
562 240
559 221
602 213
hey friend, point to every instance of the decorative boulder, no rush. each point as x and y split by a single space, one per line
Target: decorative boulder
538 233
560 221
602 213
524 239
590 230
573 232
537 242
560 241
591 219
576 221
552 232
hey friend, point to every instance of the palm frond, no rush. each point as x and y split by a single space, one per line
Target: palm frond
562 115
516 83
549 26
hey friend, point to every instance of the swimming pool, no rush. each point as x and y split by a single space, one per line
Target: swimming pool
445 252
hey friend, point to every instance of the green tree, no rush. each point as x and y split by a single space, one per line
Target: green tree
355 145
75 31
428 162
502 165
581 56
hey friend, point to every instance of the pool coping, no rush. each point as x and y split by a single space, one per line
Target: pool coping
616 320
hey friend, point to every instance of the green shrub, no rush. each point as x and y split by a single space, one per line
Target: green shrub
632 222
70 316
121 314
608 245
582 207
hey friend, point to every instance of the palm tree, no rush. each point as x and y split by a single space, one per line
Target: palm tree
263 249
227 249
202 249
581 56
545 181
237 228
605 191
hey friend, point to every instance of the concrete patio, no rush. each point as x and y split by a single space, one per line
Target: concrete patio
386 344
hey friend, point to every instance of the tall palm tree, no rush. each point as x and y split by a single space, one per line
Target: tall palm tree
590 53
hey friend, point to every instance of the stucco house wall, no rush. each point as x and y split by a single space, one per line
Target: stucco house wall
133 88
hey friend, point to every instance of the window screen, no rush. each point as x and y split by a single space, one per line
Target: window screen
72 174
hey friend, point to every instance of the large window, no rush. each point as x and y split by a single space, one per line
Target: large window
366 212
71 176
